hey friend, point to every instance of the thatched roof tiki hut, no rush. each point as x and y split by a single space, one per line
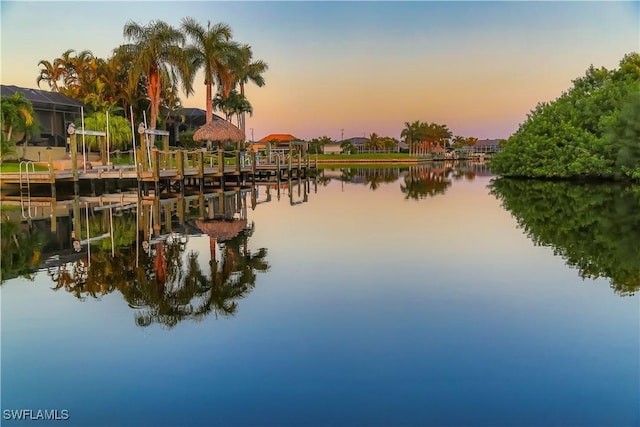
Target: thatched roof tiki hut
220 131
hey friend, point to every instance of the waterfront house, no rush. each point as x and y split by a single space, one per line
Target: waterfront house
333 148
53 111
360 143
277 140
486 146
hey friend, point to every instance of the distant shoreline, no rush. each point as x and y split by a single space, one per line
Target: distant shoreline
372 161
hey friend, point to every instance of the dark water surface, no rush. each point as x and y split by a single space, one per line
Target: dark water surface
371 297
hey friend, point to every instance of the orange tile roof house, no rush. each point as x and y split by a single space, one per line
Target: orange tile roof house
282 138
276 140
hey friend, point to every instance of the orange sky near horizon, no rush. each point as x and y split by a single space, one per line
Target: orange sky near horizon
363 67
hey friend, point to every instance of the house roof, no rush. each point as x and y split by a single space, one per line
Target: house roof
488 142
40 97
192 112
358 140
280 137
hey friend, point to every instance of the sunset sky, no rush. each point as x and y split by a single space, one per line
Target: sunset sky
364 67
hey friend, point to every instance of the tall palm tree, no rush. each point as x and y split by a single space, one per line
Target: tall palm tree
248 71
211 49
411 135
159 50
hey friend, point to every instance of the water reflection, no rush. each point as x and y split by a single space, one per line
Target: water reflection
21 248
138 246
594 227
417 181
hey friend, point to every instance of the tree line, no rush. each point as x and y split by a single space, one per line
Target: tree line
591 130
420 138
145 73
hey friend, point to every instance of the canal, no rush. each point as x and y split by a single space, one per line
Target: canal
435 295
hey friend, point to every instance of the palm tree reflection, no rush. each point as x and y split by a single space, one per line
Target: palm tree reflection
423 182
168 285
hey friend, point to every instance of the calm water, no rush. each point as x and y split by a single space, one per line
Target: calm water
372 297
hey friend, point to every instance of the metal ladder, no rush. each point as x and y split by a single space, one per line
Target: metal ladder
26 167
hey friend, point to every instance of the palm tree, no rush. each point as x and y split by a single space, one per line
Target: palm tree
49 73
17 113
234 103
58 70
159 50
411 135
374 142
211 50
248 70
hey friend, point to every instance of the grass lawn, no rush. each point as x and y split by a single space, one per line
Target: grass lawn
10 208
15 167
363 157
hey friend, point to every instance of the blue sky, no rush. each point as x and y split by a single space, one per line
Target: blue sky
364 67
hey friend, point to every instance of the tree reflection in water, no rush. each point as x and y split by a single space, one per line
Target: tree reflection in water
420 181
168 286
594 227
423 182
372 176
20 248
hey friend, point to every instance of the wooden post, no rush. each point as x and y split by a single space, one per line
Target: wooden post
253 166
201 206
156 215
180 169
289 168
221 211
77 223
52 174
54 218
278 169
211 209
167 217
74 156
165 151
144 147
180 210
180 164
156 170
220 160
201 170
146 209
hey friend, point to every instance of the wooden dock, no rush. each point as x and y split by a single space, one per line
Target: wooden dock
171 169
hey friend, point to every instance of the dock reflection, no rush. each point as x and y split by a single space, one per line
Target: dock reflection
140 247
